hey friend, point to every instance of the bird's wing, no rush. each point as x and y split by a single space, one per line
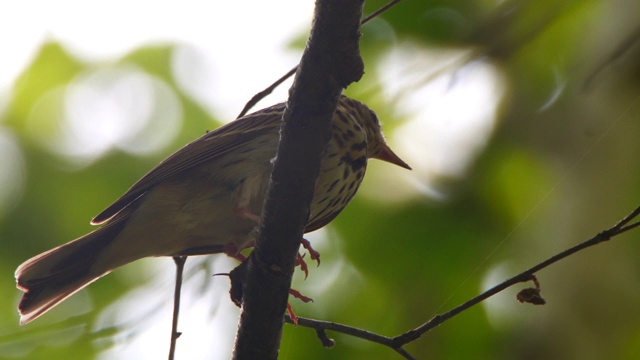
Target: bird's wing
210 146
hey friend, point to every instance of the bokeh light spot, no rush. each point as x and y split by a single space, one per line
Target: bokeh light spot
449 111
114 108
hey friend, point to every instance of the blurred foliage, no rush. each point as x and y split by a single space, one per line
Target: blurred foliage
560 166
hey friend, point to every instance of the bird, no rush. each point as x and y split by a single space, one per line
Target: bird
206 198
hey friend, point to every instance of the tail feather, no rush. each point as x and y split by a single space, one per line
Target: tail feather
51 277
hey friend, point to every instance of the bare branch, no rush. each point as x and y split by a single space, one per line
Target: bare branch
527 275
331 61
264 93
396 343
321 327
379 11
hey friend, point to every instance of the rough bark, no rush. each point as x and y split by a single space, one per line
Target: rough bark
331 61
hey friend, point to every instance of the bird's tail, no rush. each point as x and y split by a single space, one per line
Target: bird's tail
51 277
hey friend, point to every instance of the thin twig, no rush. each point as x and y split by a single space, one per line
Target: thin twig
379 11
397 343
264 93
527 275
321 326
179 260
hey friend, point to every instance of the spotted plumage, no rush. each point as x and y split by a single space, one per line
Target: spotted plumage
206 198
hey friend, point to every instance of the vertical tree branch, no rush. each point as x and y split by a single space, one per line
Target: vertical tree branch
330 62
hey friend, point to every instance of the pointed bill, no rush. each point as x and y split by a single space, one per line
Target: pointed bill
389 156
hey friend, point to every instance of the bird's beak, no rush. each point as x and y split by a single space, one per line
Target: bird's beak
389 156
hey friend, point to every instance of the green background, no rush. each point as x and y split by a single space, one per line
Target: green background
547 178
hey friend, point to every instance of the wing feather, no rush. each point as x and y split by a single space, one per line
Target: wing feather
211 146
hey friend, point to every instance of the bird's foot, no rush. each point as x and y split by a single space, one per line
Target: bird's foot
312 253
296 294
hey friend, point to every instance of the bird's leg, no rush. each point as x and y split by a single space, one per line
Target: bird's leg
303 265
247 191
312 253
292 314
243 197
296 294
231 249
237 277
245 212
